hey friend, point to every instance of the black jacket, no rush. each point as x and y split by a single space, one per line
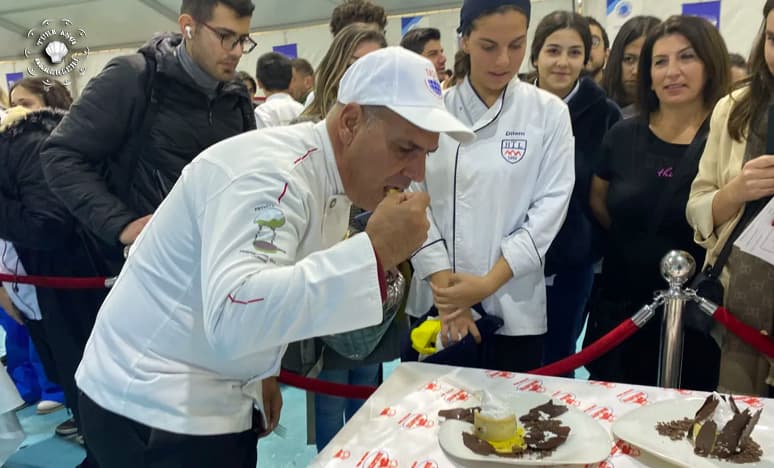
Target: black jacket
46 236
107 167
592 114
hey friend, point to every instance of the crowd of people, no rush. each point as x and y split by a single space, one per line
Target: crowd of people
314 229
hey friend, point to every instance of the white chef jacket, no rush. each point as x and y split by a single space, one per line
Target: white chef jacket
278 109
505 194
238 261
23 296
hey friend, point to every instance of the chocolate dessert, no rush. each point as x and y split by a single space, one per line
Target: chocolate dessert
543 432
718 430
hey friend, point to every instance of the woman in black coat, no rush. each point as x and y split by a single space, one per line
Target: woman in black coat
46 236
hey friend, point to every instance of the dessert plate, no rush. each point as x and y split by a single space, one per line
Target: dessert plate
588 442
638 427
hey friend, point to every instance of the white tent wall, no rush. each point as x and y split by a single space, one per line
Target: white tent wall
740 20
312 41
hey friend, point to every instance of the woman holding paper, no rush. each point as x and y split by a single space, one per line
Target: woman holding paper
735 172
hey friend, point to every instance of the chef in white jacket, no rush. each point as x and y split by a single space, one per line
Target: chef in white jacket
246 255
496 203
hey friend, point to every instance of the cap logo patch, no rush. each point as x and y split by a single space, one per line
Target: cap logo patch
433 84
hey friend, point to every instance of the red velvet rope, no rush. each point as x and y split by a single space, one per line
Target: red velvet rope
748 334
57 282
751 336
615 337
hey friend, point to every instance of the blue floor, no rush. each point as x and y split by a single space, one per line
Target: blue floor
42 449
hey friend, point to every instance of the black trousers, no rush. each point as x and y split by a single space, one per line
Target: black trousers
517 353
119 442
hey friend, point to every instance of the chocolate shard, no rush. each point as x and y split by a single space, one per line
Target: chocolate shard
731 401
730 436
476 445
750 426
460 414
707 409
551 409
705 439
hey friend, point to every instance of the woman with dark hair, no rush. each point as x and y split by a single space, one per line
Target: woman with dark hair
735 177
561 49
496 203
44 234
640 190
621 73
39 92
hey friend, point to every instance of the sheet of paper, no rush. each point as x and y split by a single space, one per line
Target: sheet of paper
758 238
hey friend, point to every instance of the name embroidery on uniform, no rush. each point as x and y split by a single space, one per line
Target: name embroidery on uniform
513 150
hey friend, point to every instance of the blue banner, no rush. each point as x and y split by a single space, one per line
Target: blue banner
407 23
710 11
288 50
12 78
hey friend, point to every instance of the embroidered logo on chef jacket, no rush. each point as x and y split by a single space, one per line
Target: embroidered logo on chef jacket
513 150
269 218
431 80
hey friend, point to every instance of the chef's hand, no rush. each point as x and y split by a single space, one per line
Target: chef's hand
398 227
272 404
463 292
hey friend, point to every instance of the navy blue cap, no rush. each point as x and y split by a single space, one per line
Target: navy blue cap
472 9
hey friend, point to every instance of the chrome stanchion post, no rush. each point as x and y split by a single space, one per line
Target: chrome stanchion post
677 267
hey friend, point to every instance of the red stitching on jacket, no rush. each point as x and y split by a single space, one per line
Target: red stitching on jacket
305 156
284 190
251 301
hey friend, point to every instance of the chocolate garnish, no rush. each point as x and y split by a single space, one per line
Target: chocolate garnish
476 445
705 439
750 426
731 401
728 439
707 409
460 414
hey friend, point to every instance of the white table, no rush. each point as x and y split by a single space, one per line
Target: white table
397 427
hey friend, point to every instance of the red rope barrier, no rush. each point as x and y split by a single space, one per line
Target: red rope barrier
58 282
615 337
360 392
751 336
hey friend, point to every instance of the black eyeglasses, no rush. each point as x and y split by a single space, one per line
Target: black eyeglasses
228 40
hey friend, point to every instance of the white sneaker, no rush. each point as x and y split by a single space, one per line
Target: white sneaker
48 406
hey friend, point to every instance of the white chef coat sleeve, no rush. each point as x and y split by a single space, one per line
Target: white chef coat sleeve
261 118
255 294
432 257
526 247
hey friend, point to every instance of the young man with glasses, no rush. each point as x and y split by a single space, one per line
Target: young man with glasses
122 147
600 49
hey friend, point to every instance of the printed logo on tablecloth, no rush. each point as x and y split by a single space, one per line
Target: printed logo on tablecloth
602 413
388 412
600 383
750 401
455 395
342 454
377 459
530 385
499 374
431 387
683 392
624 448
426 463
415 420
566 398
632 396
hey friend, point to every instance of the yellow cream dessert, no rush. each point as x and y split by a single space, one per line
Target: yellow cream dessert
499 428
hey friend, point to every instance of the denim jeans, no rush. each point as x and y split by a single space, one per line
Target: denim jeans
330 413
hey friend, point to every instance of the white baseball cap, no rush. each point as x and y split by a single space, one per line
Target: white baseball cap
406 83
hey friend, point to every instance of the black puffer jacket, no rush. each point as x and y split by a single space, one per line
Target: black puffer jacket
106 170
44 233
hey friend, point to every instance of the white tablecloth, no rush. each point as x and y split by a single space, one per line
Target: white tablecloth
398 426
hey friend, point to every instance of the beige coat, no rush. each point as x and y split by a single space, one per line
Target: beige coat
722 161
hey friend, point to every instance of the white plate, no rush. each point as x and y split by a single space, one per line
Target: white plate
638 427
588 442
